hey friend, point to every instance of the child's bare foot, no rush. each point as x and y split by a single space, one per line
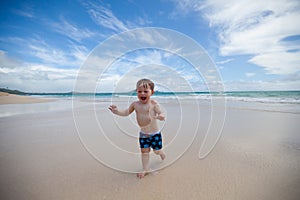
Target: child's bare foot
142 174
162 156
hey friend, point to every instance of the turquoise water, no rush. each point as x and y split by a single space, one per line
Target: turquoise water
250 94
280 96
291 97
275 101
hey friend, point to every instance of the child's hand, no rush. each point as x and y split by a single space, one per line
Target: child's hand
113 109
160 117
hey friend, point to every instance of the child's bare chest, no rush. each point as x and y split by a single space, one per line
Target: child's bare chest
145 110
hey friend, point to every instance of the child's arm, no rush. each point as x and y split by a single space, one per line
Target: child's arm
126 112
160 114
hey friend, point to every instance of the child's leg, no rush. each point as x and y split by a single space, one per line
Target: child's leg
157 146
160 153
145 162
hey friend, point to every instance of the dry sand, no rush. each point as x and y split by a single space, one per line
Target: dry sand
6 98
257 157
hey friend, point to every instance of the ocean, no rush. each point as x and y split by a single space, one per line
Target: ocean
289 97
271 101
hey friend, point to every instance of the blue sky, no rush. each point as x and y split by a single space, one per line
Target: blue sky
254 45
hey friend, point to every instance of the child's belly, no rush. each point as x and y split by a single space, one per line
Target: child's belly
147 124
143 120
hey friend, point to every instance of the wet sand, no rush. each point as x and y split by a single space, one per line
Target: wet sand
51 155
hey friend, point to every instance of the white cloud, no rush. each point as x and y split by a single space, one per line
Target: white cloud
224 61
278 62
162 67
26 11
250 74
51 72
255 28
7 62
142 21
38 78
34 77
164 77
38 49
72 31
47 54
105 17
263 85
71 57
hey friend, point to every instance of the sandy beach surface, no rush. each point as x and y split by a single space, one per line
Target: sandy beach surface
60 154
6 98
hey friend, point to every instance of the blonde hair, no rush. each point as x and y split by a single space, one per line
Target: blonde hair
146 83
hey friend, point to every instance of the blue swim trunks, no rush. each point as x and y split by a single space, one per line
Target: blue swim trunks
153 141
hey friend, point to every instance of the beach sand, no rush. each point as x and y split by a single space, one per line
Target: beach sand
6 98
44 157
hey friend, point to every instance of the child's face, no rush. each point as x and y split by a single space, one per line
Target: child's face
144 94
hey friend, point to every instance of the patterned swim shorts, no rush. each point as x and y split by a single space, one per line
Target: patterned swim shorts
152 141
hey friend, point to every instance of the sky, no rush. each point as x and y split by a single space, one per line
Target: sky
253 45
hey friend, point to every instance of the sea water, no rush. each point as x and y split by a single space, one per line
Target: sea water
274 101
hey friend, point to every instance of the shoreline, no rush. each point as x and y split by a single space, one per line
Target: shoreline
6 98
14 104
284 105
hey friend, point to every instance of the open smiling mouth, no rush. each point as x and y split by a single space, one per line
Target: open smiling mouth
143 98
